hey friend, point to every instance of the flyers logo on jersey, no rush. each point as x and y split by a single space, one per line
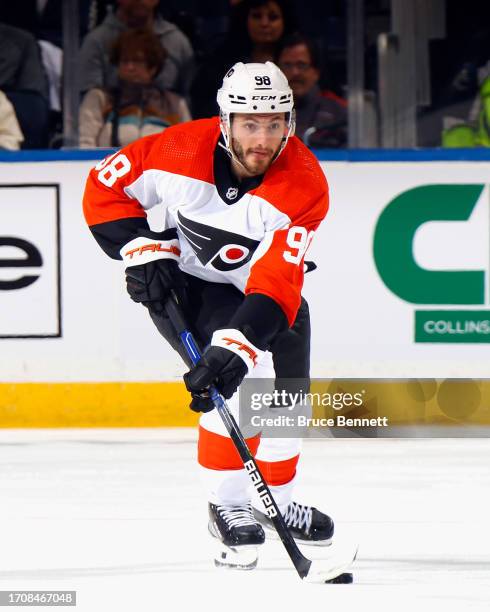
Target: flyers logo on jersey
225 251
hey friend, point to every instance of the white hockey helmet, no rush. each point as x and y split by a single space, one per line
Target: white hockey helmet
255 89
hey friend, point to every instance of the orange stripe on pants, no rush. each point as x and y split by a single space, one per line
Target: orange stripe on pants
219 453
278 473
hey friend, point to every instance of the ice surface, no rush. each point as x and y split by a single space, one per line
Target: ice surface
119 516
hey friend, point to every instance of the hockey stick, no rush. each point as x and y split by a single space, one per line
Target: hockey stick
311 571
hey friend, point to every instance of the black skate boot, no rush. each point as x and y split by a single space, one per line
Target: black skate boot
239 534
306 524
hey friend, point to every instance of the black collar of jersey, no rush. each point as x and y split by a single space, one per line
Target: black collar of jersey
230 189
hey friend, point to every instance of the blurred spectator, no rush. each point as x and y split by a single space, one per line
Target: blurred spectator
95 67
321 115
480 107
20 62
43 18
457 63
136 106
52 58
476 132
10 133
257 30
23 80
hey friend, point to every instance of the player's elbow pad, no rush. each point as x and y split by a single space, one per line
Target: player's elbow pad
260 318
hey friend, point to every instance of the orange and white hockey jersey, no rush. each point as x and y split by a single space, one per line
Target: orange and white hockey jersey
253 234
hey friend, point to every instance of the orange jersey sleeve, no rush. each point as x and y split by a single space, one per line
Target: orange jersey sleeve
295 185
123 186
105 198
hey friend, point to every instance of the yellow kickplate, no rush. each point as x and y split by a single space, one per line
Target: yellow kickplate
425 401
163 404
166 404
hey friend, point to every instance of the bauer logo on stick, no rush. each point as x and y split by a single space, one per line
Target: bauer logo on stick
263 493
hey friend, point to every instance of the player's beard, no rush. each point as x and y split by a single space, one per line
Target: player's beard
254 169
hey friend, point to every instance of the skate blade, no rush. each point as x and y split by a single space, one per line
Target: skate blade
238 558
271 534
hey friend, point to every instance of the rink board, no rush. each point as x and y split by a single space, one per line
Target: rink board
401 289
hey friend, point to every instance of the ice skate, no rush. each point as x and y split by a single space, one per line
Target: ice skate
238 534
306 524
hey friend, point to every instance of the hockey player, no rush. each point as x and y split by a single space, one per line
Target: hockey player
242 198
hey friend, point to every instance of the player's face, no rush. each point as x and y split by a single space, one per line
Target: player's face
256 139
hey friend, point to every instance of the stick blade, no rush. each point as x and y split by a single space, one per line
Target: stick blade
322 570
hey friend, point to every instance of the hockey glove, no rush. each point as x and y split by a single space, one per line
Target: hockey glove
223 364
152 269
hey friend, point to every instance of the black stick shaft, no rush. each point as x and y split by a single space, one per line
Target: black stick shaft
300 562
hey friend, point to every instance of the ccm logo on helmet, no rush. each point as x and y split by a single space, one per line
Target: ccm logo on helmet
264 97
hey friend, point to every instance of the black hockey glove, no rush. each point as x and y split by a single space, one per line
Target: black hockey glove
152 269
223 364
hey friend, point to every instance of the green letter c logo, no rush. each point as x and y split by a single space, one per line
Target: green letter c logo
393 246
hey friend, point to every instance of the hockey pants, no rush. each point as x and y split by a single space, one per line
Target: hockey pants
211 306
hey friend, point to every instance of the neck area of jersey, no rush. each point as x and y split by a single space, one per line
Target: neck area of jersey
230 187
